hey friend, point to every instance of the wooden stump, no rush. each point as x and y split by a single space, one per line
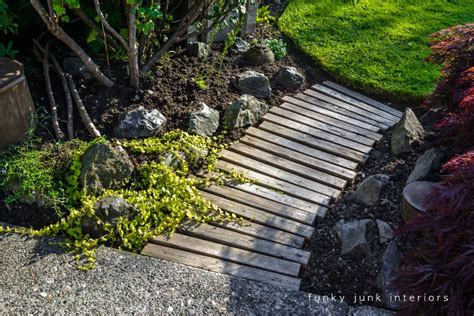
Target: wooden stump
17 111
414 195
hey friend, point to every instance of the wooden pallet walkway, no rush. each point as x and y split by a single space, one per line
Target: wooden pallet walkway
302 155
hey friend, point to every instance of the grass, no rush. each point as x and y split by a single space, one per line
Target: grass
379 46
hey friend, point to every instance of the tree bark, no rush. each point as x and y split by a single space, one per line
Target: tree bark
133 47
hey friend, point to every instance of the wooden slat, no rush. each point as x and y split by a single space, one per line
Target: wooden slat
299 158
297 147
232 254
278 173
221 266
274 183
348 107
234 239
293 121
259 216
338 112
355 102
363 98
262 203
306 109
312 141
324 131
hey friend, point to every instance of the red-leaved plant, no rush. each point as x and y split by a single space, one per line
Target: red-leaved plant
443 262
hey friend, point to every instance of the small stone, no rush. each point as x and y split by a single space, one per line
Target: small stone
406 133
139 123
198 49
43 294
203 122
75 67
368 311
385 231
289 77
246 111
355 234
429 161
387 273
240 46
253 83
259 55
370 189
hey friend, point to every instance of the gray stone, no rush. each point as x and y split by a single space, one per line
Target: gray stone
368 311
246 111
389 262
385 231
253 83
104 167
355 234
75 67
289 77
139 123
259 55
107 210
204 122
198 49
370 189
406 133
240 46
172 160
429 161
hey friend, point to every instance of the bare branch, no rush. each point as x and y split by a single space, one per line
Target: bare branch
108 27
133 47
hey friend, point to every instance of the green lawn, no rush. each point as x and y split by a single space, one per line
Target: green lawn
377 45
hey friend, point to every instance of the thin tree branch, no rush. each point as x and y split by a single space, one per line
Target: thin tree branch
133 47
108 27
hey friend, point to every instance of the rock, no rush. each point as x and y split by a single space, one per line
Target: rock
240 46
368 311
172 160
414 198
355 234
385 231
139 123
406 133
429 161
104 167
204 122
289 77
253 83
259 55
246 111
108 210
387 273
75 67
370 189
198 49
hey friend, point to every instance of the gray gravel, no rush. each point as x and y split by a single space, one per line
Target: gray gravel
38 277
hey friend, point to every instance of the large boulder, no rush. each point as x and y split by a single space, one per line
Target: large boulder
107 210
429 161
240 46
204 121
139 123
246 111
289 77
104 167
259 55
253 83
354 234
389 263
406 133
370 189
198 49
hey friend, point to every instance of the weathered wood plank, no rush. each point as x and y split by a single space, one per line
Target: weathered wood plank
325 131
262 203
363 98
234 239
339 112
220 266
355 102
278 173
297 147
306 109
299 157
348 107
289 188
312 141
259 216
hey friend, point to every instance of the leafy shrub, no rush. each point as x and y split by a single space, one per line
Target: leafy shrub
7 26
277 46
264 16
443 263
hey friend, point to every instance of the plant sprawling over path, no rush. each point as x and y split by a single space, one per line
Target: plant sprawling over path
379 46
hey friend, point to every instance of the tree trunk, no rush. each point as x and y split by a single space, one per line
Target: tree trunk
16 106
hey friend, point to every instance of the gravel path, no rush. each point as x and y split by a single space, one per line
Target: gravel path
38 277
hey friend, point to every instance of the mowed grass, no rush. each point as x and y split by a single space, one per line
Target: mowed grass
379 46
